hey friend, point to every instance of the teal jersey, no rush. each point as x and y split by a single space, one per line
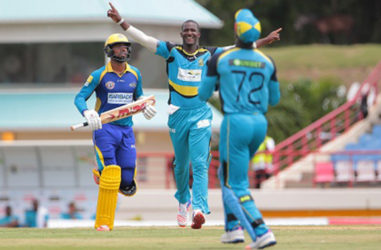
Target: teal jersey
8 219
68 216
185 73
247 81
112 90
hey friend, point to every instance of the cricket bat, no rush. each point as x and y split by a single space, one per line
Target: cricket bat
121 112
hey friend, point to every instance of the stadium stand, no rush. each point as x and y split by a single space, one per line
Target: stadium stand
334 137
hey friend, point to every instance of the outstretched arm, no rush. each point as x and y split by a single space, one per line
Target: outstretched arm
205 91
137 35
270 38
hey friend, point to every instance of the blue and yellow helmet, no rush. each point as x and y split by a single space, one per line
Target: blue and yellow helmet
117 38
113 39
247 27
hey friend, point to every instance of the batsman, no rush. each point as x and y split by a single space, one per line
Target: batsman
115 84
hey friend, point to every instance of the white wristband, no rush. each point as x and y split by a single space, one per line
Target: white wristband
121 21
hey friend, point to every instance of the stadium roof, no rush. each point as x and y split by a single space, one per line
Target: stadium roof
86 20
32 109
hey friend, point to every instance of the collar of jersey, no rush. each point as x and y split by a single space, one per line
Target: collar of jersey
109 68
190 54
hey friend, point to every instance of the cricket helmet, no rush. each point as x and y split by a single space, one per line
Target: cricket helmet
114 39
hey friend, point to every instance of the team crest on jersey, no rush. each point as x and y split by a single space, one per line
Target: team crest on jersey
110 85
132 85
201 62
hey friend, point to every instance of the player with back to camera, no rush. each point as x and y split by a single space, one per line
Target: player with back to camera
189 118
115 84
247 85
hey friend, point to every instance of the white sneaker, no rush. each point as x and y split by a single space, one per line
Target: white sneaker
183 214
197 219
234 236
103 228
266 240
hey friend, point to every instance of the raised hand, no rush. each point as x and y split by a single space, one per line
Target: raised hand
113 13
273 36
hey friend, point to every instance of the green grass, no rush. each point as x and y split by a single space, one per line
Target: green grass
345 63
289 237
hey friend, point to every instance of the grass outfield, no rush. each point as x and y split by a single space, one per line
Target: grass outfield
344 63
362 237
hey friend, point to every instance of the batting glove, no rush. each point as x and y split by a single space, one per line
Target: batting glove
93 119
149 112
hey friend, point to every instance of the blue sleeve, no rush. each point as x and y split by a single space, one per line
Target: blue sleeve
274 92
86 91
139 86
207 87
219 50
205 91
212 65
163 49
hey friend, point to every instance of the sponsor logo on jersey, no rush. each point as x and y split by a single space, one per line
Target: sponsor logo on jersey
203 123
246 63
119 98
189 75
110 84
132 85
245 198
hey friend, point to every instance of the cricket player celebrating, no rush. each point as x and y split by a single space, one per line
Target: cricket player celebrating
247 84
115 84
190 118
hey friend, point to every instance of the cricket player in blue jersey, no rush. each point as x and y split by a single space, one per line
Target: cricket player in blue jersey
115 84
247 85
190 118
9 219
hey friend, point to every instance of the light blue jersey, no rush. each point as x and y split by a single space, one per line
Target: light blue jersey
189 126
247 79
247 85
185 72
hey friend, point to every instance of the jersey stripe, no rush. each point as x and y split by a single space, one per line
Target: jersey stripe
226 53
227 153
102 75
98 104
188 91
266 57
132 71
99 156
191 54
